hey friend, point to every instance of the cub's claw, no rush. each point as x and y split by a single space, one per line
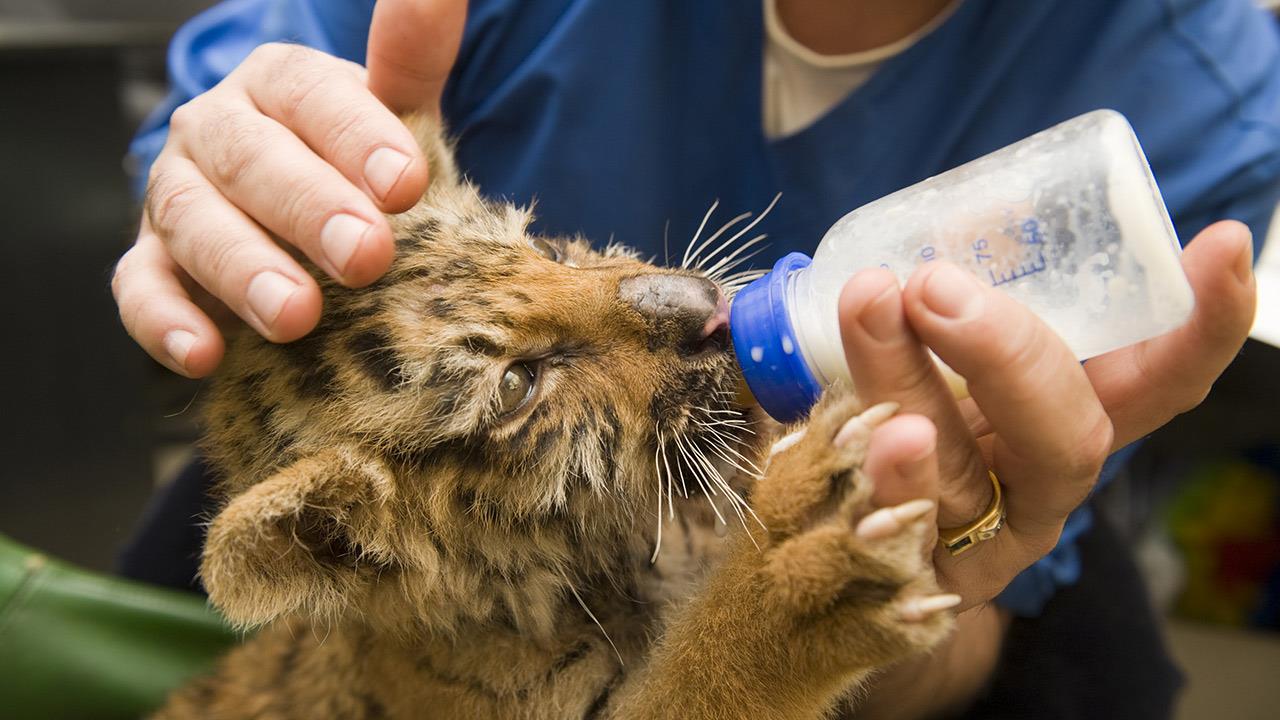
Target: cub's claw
890 521
919 609
859 427
786 441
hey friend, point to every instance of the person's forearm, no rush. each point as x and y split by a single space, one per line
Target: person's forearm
948 679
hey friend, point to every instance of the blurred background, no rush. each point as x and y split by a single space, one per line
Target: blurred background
86 415
89 425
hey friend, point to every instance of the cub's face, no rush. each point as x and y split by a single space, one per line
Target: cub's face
507 384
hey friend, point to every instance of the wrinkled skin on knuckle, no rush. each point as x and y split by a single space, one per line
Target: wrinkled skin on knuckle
170 199
1019 350
219 256
303 210
345 138
300 77
275 60
1079 455
1095 446
974 503
233 146
1080 463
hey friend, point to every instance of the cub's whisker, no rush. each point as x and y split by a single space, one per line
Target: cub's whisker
592 615
736 236
717 267
684 454
707 480
671 508
684 263
736 502
657 472
721 447
745 276
695 259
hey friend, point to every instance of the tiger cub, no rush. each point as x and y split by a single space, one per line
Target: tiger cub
445 501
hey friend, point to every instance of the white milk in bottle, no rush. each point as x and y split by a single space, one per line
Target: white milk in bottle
1068 221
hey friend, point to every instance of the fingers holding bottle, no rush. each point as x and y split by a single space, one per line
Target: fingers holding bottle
888 363
1049 433
1145 385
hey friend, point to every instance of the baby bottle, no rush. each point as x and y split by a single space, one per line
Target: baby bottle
1068 221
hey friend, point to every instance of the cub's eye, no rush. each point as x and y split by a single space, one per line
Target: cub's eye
545 249
516 387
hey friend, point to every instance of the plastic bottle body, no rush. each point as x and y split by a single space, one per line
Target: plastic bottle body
1068 221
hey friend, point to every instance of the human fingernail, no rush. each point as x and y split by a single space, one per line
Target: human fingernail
882 317
339 239
916 609
952 293
383 168
178 344
267 295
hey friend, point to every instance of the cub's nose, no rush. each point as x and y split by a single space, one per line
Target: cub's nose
687 313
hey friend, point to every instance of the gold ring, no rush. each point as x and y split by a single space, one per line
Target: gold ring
958 540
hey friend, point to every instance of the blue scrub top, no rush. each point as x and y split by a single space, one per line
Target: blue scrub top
625 119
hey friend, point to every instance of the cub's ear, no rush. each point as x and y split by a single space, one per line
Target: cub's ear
303 540
431 136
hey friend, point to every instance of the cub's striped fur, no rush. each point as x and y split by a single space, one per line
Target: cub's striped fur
444 501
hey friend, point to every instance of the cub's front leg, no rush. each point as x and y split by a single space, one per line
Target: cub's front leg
807 607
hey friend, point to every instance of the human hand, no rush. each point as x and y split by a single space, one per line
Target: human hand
294 151
1039 419
1044 424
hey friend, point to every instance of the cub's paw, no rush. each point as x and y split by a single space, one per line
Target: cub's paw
830 556
813 471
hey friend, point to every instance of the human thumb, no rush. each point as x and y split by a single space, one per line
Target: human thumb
412 48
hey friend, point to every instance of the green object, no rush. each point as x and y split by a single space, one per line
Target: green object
77 644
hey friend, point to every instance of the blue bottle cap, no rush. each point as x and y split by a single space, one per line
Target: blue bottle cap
765 343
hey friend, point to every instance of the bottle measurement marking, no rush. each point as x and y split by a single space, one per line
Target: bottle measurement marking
1021 243
1030 237
1021 271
